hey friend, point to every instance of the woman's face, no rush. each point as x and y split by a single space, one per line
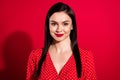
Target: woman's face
60 26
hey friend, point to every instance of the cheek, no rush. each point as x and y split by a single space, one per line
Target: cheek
67 30
51 29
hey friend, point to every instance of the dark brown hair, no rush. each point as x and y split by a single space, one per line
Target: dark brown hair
58 7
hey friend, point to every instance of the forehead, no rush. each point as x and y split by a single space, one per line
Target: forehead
60 16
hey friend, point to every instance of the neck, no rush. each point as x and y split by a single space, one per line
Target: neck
62 46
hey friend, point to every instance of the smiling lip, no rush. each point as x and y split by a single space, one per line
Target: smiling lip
59 35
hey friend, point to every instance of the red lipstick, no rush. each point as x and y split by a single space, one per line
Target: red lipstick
59 35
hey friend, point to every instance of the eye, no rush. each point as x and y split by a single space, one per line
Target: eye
65 24
53 24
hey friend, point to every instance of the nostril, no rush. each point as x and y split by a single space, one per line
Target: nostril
58 30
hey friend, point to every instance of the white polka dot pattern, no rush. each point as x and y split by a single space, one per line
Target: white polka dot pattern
68 72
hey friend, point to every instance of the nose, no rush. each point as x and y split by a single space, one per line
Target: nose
59 28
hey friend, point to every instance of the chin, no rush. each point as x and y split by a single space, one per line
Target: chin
58 39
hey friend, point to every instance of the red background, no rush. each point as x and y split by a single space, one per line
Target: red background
22 30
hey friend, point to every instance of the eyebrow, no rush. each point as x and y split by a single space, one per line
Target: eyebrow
56 21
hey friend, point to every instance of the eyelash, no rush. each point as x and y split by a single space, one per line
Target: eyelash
53 24
65 24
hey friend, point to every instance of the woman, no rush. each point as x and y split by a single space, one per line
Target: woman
60 59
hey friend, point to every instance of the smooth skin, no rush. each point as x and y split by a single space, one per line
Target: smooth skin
60 51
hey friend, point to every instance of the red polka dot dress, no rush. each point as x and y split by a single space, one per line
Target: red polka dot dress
68 72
